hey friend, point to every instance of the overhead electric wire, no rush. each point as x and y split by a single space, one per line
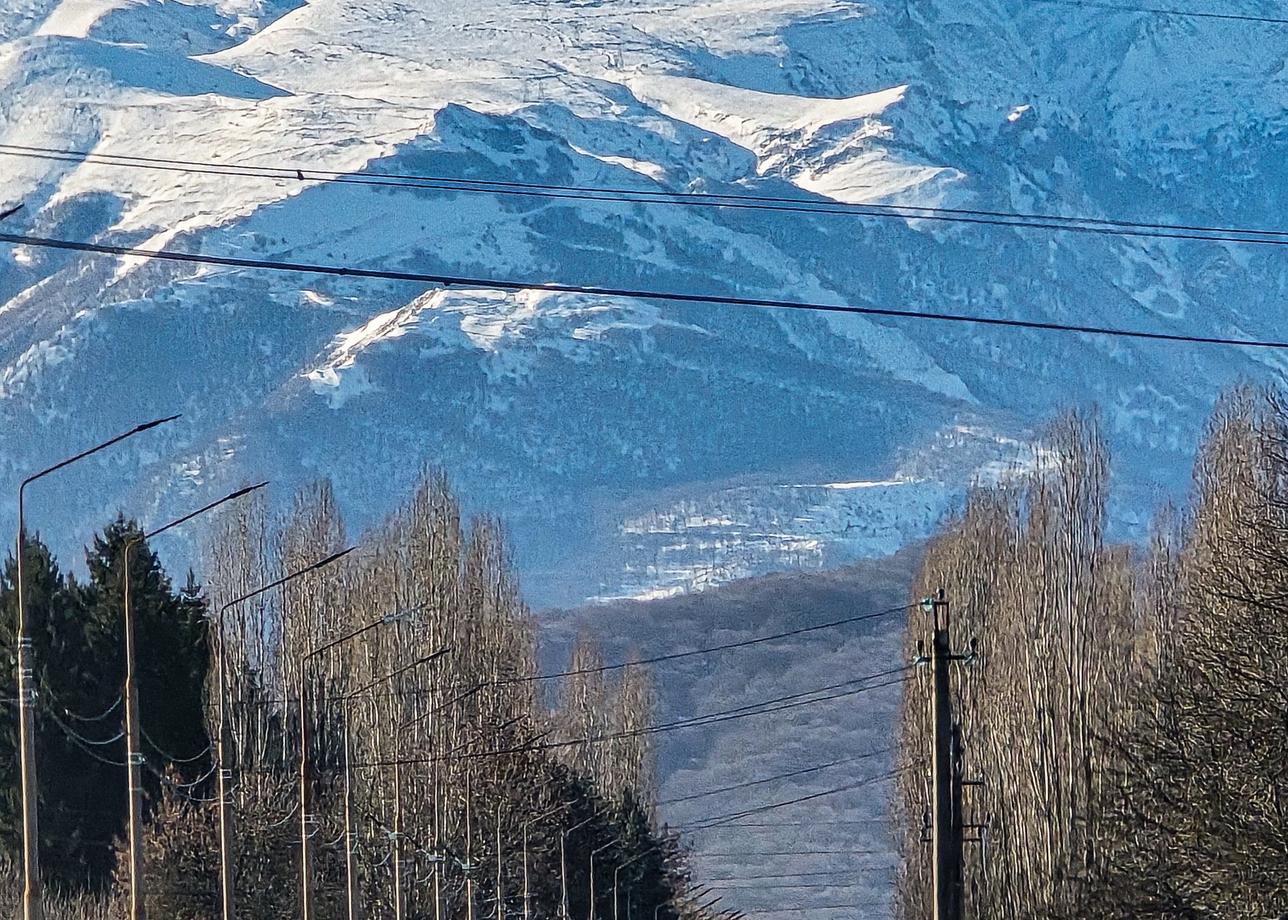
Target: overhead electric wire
810 886
727 646
777 876
626 195
742 712
638 662
775 853
798 910
770 779
1163 11
85 746
759 707
504 284
718 820
170 757
776 824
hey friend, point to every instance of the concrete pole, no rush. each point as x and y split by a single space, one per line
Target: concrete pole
398 824
350 882
563 874
133 755
225 801
33 899
306 815
33 904
499 899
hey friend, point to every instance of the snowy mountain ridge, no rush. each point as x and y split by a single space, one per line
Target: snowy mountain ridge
577 417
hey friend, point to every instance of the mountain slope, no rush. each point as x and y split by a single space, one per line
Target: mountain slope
573 416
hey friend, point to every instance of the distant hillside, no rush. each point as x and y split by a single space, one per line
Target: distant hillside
742 750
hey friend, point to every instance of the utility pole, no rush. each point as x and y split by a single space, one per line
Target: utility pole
134 758
469 844
306 812
946 832
527 889
33 897
350 888
499 915
226 879
563 875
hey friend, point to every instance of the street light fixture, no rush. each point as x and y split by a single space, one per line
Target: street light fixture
563 862
33 902
134 756
224 773
593 853
306 867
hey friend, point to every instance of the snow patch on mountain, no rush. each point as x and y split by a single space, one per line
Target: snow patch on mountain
573 415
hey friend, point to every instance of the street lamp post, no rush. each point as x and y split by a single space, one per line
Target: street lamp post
438 856
563 863
348 828
618 871
33 906
134 756
593 854
527 889
306 817
224 773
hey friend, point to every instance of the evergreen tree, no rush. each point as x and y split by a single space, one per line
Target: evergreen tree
78 649
74 777
171 644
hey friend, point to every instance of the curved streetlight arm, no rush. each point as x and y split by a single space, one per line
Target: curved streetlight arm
200 511
441 706
432 656
392 617
313 567
137 429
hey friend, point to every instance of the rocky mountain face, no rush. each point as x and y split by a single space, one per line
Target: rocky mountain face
635 447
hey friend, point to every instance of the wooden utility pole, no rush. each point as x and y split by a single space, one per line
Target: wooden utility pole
946 830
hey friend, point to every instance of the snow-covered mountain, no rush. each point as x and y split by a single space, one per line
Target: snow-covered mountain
634 447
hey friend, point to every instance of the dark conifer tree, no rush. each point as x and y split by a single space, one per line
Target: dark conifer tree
78 648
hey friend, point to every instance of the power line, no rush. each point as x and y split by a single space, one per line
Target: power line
783 875
742 712
1160 11
770 779
757 825
723 819
773 853
770 203
676 296
797 910
724 647
811 886
758 708
637 662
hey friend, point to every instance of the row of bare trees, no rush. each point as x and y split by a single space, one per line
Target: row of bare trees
448 777
1126 708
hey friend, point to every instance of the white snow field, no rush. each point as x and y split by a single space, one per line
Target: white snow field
577 417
